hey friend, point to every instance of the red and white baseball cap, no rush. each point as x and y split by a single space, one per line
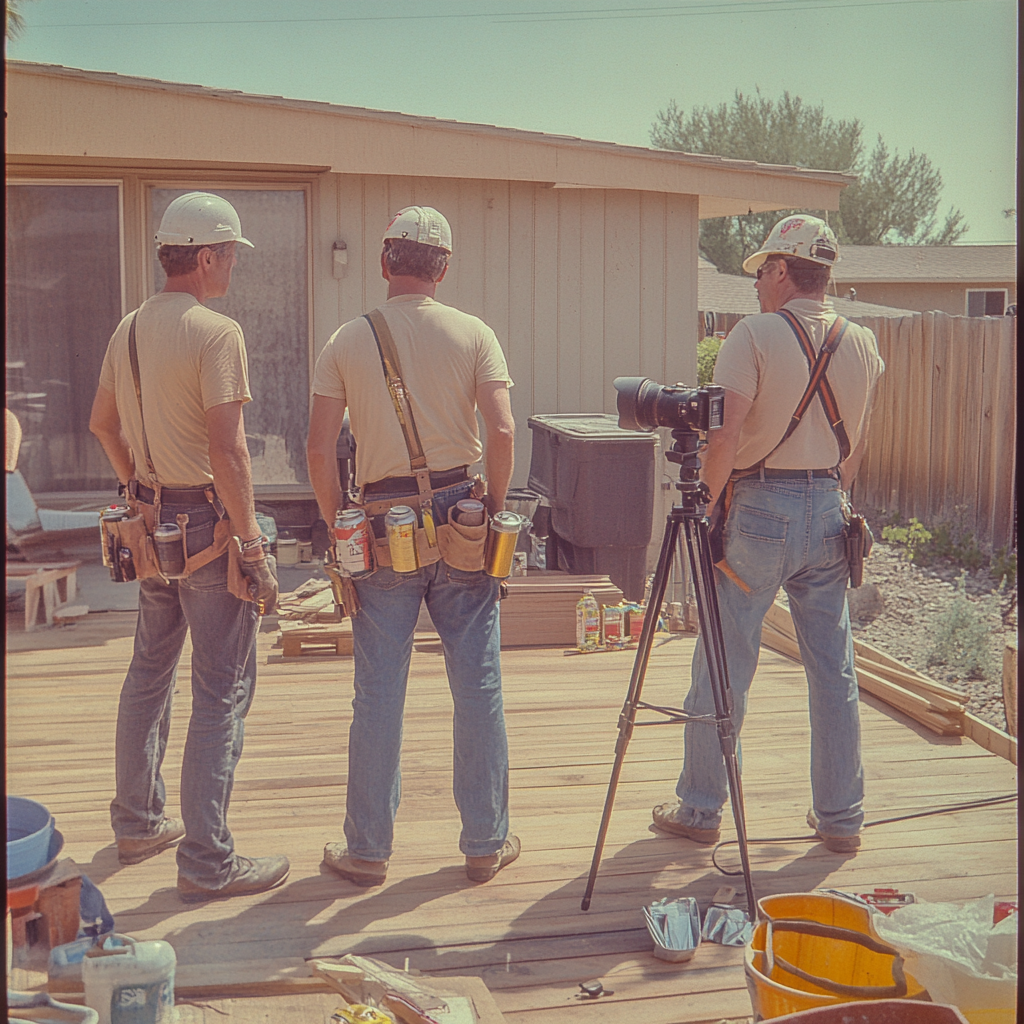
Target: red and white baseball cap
421 224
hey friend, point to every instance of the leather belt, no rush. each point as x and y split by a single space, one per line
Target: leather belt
798 474
171 495
407 484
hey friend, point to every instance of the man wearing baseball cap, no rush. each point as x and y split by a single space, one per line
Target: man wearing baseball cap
777 477
413 374
168 412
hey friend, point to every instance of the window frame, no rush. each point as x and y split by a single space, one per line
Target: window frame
968 292
118 183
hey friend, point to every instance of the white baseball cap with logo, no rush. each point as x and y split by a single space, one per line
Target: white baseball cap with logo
421 224
803 236
200 218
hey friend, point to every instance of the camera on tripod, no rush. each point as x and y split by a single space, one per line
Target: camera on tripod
644 404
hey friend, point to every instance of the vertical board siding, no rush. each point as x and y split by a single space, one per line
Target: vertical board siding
942 445
580 285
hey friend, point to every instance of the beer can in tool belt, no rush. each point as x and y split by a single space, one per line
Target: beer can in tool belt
113 514
352 542
501 543
400 527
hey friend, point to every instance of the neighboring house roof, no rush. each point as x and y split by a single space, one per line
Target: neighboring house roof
62 114
938 264
729 293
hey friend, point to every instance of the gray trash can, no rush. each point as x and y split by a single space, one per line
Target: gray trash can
599 482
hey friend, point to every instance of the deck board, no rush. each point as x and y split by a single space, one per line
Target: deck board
523 933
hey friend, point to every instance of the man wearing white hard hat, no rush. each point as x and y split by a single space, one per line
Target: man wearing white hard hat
777 472
412 375
168 412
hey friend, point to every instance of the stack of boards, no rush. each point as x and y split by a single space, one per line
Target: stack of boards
540 610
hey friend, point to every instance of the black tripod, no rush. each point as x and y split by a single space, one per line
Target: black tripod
689 513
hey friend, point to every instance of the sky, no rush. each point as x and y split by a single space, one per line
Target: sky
936 76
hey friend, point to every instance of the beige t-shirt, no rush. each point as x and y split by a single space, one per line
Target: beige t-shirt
763 361
190 359
445 355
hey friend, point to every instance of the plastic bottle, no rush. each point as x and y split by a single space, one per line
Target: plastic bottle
588 623
133 984
612 625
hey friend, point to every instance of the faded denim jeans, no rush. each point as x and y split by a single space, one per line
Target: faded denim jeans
785 533
223 682
464 610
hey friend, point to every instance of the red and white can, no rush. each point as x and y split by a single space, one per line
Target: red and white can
353 543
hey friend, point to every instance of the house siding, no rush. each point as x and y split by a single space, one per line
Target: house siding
923 296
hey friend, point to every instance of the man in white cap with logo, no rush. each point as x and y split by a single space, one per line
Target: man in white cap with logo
777 472
168 412
412 375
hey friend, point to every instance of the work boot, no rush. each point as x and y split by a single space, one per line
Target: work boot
834 844
665 818
133 851
357 871
250 875
483 869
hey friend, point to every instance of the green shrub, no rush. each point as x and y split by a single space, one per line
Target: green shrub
707 353
1004 566
961 636
913 539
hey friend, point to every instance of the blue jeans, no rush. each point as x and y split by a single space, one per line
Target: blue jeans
223 682
783 533
464 610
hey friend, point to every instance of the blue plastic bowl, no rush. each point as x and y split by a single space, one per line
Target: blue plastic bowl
29 828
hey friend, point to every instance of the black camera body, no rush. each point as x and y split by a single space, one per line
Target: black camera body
644 404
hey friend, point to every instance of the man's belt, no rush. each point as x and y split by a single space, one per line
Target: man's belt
408 485
168 495
798 474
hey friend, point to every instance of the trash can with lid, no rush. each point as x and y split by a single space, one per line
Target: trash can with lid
599 481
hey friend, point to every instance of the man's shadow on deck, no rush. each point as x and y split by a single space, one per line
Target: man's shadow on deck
638 870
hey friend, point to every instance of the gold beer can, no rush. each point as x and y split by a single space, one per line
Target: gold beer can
400 527
501 543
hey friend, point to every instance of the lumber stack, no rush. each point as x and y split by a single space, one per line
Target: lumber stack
300 639
940 708
540 610
312 602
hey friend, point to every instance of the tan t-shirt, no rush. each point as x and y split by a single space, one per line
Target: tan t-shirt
190 359
763 361
445 355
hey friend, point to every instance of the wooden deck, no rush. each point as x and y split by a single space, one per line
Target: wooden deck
524 932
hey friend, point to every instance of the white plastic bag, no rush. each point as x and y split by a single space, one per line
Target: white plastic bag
958 954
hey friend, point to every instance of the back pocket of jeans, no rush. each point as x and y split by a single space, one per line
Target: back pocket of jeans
755 546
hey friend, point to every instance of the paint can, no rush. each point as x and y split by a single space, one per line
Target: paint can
352 543
501 543
400 527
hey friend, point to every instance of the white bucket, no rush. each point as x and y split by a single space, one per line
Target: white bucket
287 551
132 984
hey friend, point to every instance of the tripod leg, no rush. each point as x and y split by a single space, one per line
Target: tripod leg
703 571
628 714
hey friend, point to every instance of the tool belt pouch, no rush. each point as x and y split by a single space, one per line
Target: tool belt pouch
238 582
462 547
129 547
716 534
859 541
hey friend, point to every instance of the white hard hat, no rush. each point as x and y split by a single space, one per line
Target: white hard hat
803 236
421 224
200 218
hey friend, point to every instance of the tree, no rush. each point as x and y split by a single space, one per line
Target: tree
895 200
14 23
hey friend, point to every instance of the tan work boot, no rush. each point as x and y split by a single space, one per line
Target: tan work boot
357 871
483 869
834 844
133 851
250 875
665 818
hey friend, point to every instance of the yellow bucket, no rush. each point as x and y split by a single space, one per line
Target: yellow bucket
813 950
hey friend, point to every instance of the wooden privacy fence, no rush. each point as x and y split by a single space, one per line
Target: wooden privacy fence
943 439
